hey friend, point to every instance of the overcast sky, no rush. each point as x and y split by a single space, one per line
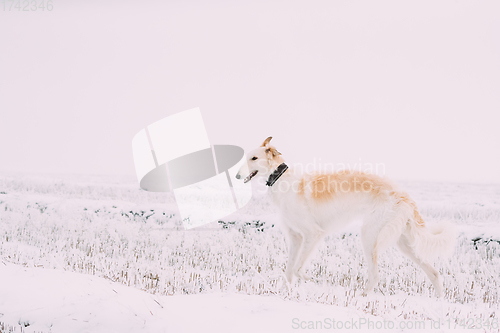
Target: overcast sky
411 84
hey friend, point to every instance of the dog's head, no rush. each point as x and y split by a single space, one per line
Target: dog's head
261 161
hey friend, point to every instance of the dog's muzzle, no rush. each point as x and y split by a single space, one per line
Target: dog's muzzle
250 176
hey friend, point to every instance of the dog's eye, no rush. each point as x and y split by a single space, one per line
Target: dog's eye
254 158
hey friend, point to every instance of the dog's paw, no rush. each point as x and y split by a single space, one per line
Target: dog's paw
367 291
285 285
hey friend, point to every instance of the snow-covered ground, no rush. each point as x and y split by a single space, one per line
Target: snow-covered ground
60 301
92 254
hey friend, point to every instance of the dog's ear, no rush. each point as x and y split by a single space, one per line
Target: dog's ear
273 150
266 142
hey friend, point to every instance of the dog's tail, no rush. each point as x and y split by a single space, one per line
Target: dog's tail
429 241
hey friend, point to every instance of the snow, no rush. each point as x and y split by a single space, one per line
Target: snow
92 254
60 301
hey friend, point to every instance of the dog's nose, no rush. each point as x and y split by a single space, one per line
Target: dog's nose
238 176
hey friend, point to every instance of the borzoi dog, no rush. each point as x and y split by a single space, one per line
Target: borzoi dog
314 205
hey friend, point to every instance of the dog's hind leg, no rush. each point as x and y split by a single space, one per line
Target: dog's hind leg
294 244
431 272
380 231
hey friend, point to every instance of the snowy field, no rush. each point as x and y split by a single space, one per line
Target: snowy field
96 254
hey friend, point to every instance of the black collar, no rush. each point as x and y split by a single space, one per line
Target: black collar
276 174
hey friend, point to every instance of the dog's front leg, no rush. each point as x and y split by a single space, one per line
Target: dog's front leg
309 243
294 244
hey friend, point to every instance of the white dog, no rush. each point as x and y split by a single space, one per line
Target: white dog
314 205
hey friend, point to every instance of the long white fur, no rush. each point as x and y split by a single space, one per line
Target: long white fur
388 220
